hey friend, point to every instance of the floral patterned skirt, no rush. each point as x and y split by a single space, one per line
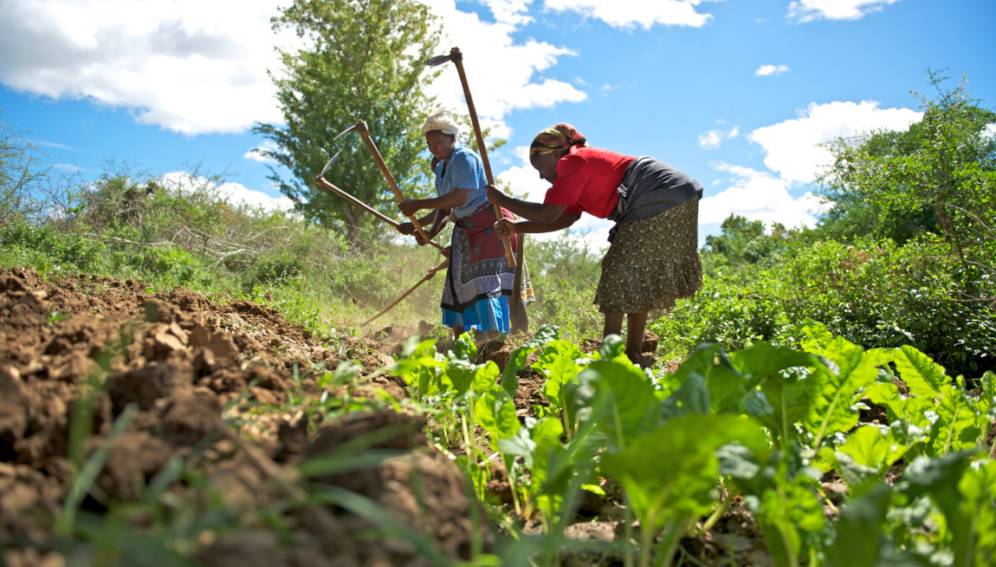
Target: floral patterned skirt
652 262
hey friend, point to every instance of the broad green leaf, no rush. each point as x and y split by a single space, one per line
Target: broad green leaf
913 411
558 366
460 374
625 400
671 470
957 427
886 395
873 447
978 491
940 479
691 397
551 469
464 347
987 400
816 338
866 454
859 538
738 462
464 374
763 361
922 376
485 377
849 372
787 514
951 420
788 381
494 411
726 387
543 335
613 346
420 366
521 445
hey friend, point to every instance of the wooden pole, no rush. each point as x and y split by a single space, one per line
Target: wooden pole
322 183
361 127
457 58
427 277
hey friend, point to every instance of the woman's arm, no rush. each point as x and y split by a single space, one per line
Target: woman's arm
508 227
536 212
442 216
409 228
454 198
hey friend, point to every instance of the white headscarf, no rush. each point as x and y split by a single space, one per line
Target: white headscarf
442 121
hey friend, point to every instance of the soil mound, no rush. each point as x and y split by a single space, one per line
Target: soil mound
79 353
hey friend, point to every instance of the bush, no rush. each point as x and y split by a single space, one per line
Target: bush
564 274
876 294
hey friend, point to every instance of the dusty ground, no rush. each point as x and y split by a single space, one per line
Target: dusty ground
89 346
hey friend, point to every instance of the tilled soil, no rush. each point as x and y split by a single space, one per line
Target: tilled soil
95 347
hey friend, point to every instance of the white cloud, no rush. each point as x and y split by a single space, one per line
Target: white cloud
592 230
810 10
188 66
796 152
502 73
234 193
769 70
759 195
710 139
67 167
713 138
194 67
523 179
633 13
515 12
48 144
990 132
796 149
254 155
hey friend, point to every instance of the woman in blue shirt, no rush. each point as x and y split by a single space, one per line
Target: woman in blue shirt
478 281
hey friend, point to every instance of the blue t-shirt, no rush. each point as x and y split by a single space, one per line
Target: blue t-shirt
463 170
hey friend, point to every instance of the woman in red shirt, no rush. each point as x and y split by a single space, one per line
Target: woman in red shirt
653 257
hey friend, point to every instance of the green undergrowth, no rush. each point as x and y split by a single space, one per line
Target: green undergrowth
767 426
873 292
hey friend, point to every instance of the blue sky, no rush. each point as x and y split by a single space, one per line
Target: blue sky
738 93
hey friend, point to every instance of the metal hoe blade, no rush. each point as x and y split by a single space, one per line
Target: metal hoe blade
344 132
438 60
329 163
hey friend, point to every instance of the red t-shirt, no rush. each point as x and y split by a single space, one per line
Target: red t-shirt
586 181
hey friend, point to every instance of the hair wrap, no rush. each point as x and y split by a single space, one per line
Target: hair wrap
558 137
441 121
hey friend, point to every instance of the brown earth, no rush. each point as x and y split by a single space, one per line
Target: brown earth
83 349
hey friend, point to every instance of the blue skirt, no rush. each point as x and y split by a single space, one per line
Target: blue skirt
485 314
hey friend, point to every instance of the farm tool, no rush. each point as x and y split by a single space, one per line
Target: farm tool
428 276
361 128
457 58
323 183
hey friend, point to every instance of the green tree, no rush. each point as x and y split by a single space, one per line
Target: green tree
745 241
939 177
361 60
20 176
